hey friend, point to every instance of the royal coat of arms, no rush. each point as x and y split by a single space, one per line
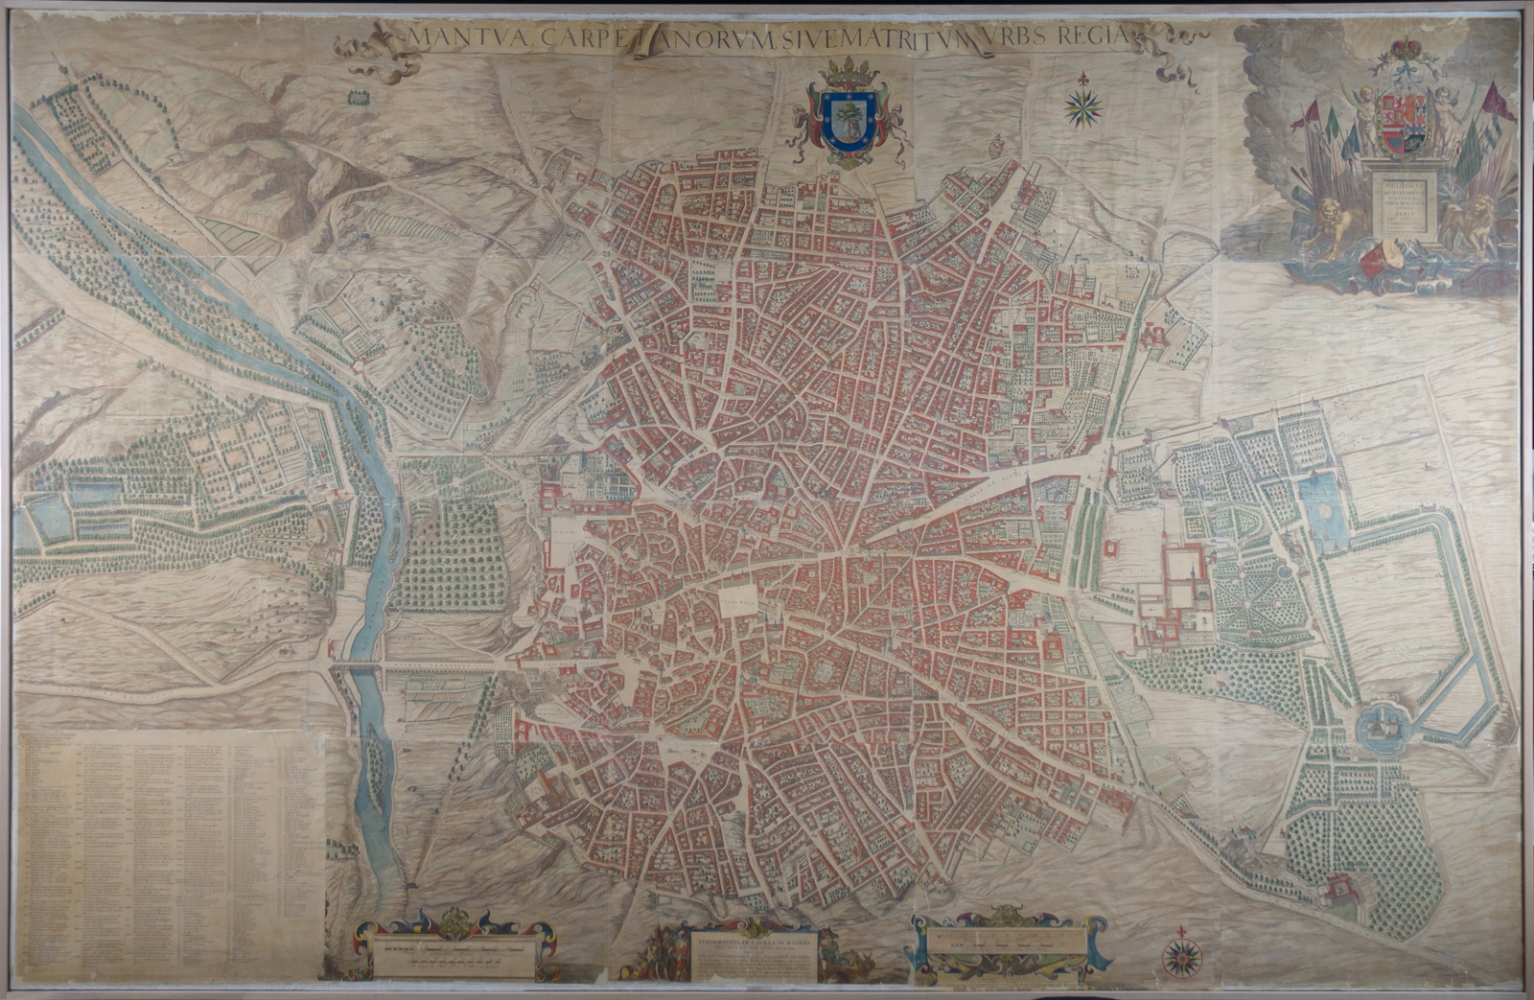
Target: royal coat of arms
1405 124
1405 115
850 118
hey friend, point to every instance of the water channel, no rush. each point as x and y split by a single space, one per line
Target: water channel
372 808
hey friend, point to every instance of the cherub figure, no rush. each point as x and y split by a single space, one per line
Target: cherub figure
1363 104
1445 121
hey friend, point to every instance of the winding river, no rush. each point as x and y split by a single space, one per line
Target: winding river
372 809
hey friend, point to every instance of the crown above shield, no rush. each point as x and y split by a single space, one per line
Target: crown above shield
849 118
848 78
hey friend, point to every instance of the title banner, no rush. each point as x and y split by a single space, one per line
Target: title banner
649 39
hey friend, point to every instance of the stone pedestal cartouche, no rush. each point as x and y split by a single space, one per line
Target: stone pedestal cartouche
1405 205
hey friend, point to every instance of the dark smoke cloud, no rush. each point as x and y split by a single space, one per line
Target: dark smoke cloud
1489 52
1292 63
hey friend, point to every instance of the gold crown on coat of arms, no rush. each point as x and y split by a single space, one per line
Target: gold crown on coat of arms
848 78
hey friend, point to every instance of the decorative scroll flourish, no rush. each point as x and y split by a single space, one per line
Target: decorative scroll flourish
928 965
455 925
1144 36
380 45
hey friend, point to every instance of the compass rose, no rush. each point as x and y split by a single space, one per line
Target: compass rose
1182 958
1083 108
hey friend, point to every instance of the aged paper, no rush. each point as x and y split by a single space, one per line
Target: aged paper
163 856
727 956
1405 205
1043 482
1009 940
430 957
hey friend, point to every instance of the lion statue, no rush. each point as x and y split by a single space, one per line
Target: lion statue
1332 221
1473 225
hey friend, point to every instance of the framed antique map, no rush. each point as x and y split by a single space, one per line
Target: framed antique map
1025 501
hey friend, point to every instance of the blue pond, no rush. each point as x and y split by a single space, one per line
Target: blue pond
1383 729
23 538
1323 505
53 518
97 494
